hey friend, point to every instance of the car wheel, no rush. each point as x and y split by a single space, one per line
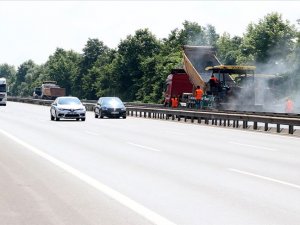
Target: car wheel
100 114
56 118
82 119
124 117
51 116
96 116
77 119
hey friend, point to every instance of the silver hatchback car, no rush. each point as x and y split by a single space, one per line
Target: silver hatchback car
67 108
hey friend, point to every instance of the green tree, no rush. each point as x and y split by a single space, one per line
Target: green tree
269 41
228 48
88 76
7 71
19 86
63 67
131 53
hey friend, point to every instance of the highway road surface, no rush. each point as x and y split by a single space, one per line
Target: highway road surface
139 171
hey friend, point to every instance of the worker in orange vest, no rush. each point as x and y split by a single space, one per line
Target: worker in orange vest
214 84
289 106
174 102
198 97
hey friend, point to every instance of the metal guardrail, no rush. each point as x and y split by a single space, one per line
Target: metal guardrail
235 120
222 118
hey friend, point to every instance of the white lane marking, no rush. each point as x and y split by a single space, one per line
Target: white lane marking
91 133
131 204
253 146
144 147
265 178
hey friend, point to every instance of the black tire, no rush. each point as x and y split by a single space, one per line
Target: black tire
124 117
56 118
77 119
82 119
100 114
51 117
96 116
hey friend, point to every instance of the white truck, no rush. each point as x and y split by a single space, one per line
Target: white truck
3 92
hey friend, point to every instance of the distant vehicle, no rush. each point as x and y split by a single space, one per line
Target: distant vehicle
37 92
67 108
111 107
3 91
49 90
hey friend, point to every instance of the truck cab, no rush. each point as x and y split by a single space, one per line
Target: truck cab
177 83
3 91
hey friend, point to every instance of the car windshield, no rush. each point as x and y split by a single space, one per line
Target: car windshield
113 102
69 101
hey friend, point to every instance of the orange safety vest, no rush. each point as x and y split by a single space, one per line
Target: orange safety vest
174 102
198 94
289 107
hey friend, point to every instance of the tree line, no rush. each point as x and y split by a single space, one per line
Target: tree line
136 70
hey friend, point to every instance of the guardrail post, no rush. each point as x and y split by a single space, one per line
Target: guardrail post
224 123
229 124
192 119
173 117
199 119
206 121
278 128
179 118
266 126
255 125
291 129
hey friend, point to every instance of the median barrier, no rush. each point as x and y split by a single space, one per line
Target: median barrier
234 120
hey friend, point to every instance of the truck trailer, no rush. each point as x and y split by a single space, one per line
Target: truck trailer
49 90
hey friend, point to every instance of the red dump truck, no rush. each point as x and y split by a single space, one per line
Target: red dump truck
177 84
49 90
181 83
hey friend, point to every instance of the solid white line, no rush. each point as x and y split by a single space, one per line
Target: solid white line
144 147
136 207
265 178
253 146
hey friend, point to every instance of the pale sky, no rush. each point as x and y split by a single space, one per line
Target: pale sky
34 29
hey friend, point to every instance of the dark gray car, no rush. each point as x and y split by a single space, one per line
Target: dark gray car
111 107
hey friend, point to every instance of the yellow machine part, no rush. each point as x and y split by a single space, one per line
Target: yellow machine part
194 76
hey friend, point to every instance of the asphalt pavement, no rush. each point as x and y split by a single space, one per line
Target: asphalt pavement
142 171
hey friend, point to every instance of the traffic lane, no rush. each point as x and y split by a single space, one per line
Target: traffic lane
188 186
264 156
143 139
221 145
33 191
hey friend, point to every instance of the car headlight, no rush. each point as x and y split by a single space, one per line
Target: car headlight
104 108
